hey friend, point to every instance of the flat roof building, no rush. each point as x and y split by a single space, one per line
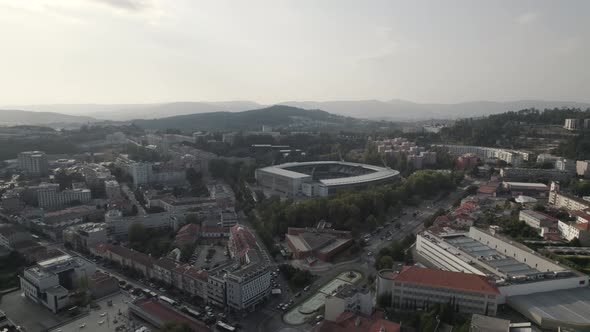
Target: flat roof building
313 243
512 267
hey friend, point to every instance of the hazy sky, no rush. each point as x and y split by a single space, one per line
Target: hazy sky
129 51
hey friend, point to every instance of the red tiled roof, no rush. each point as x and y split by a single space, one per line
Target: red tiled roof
166 263
101 247
582 226
188 233
446 279
166 314
349 322
133 255
209 229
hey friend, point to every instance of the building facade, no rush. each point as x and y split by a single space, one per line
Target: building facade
33 163
49 196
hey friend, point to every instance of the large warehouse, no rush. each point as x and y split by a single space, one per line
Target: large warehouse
322 178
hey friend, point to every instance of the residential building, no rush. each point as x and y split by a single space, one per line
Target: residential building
112 189
534 174
358 300
33 163
575 230
514 268
187 234
536 219
572 124
192 280
583 168
228 218
126 257
419 288
513 157
317 244
50 282
563 200
547 158
118 226
49 196
163 270
248 283
568 165
467 161
81 237
12 236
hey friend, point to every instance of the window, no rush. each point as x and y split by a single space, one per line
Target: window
582 282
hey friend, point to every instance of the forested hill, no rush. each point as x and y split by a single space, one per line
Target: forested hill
507 129
275 116
488 131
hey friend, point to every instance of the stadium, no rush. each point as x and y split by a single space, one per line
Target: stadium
322 178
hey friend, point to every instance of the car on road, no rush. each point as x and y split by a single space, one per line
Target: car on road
306 288
298 294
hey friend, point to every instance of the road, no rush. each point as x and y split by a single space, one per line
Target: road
131 195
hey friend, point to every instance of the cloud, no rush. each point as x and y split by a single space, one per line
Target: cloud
527 18
130 5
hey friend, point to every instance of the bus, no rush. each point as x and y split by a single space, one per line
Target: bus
221 326
191 312
168 300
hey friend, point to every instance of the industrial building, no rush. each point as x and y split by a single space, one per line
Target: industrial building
322 178
512 267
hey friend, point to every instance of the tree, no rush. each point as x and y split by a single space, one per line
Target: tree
385 262
138 233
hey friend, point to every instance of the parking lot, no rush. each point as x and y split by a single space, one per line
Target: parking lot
111 314
209 256
24 312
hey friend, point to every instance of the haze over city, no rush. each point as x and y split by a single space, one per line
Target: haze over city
150 51
294 166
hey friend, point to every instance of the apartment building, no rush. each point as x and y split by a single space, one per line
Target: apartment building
112 189
33 163
81 237
11 236
513 157
118 226
578 229
49 196
50 282
583 168
534 174
572 124
563 200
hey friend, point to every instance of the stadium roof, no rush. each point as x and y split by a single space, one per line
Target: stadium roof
566 308
379 173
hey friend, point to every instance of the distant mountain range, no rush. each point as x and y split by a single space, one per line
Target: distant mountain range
395 110
276 116
17 117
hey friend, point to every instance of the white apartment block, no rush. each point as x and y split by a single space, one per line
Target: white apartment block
583 168
112 189
118 226
575 230
33 163
513 157
49 282
562 200
49 196
572 124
